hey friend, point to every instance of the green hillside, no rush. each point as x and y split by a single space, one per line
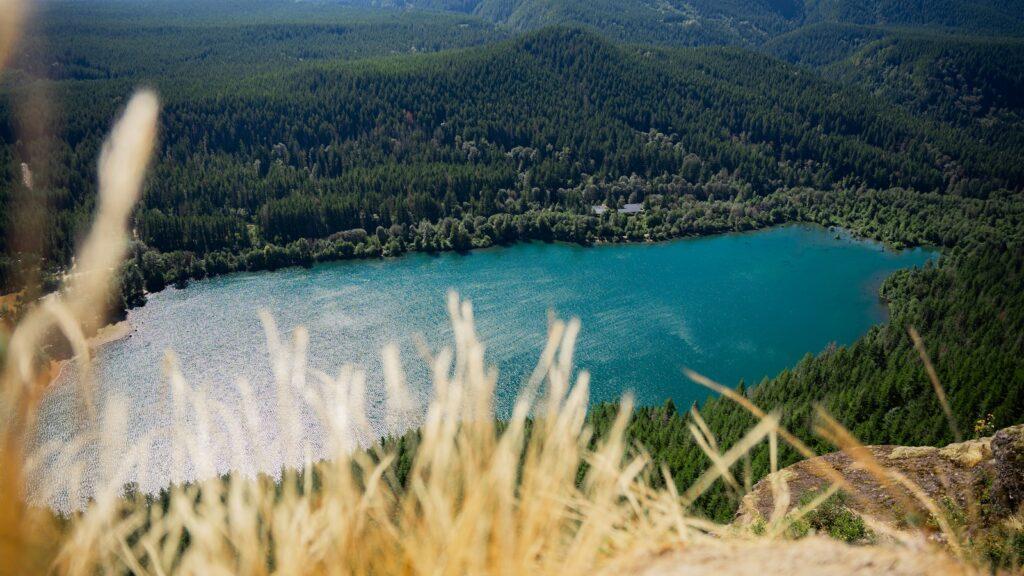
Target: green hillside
992 17
965 81
824 43
686 22
214 42
547 121
669 22
973 83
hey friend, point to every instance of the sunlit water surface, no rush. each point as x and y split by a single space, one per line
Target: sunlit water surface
738 306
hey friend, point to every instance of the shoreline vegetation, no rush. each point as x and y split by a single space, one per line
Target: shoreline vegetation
839 232
120 327
586 281
897 218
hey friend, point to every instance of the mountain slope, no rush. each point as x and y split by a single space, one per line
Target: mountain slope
964 81
687 22
546 121
975 84
977 17
824 43
210 42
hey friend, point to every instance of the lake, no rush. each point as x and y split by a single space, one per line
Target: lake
736 306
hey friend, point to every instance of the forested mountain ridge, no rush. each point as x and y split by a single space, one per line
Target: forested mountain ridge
155 43
550 120
974 83
959 75
690 22
988 17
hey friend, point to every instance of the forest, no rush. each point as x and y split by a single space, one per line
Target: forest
973 83
370 157
734 22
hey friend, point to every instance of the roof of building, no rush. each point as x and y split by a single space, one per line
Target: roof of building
626 209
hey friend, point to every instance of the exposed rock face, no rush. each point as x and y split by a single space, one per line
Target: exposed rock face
1008 465
954 474
965 473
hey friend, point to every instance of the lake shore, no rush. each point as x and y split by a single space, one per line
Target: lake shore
106 335
110 333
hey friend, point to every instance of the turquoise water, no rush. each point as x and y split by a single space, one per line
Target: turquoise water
739 306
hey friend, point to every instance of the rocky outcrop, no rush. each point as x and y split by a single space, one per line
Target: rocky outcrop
1008 466
986 472
978 484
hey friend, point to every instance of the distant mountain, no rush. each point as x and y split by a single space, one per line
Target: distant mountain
578 104
823 44
685 22
642 21
968 82
969 16
216 40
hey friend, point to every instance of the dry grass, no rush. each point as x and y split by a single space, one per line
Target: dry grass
10 28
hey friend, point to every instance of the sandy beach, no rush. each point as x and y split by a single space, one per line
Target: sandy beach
106 335
110 333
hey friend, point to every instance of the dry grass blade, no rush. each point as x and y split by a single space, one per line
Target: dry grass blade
940 392
766 426
779 527
779 486
76 311
835 479
11 26
706 442
122 167
824 469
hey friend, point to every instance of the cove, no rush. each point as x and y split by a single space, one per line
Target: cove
736 306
